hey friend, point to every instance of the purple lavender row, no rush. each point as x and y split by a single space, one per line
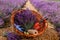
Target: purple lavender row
12 36
7 6
50 10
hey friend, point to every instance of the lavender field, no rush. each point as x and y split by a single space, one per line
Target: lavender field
49 9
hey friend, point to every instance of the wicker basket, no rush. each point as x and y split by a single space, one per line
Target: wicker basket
38 16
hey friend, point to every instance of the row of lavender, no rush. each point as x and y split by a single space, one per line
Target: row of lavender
6 7
50 10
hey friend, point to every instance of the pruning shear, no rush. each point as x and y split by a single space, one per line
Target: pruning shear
19 27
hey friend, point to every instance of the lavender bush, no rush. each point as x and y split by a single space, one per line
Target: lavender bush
6 6
50 10
12 36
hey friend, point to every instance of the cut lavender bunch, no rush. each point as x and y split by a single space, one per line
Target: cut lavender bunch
25 18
